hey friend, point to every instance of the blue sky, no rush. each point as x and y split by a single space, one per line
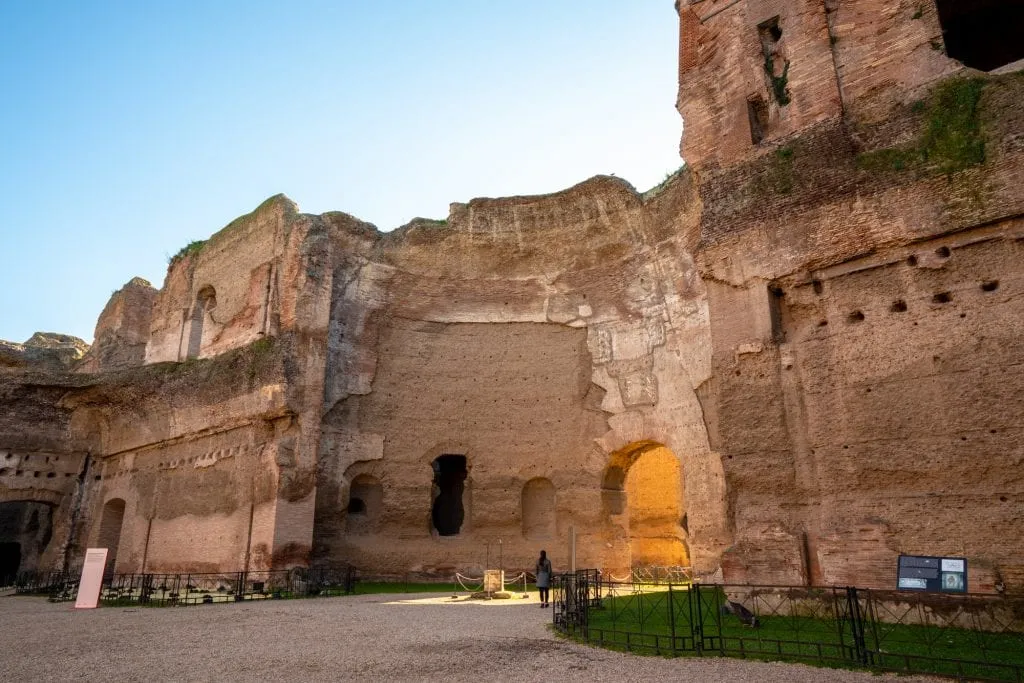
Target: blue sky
128 129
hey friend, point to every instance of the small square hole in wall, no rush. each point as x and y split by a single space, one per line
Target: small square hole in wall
990 285
899 306
855 317
942 298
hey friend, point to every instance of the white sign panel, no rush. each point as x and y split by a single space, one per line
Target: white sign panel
949 565
92 578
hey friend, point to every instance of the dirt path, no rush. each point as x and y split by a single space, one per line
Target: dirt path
370 637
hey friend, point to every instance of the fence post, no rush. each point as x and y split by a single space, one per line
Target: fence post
697 625
672 616
857 626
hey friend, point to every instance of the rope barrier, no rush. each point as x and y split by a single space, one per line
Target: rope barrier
478 583
459 579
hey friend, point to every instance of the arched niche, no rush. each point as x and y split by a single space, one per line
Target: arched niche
643 482
365 503
111 525
538 509
206 301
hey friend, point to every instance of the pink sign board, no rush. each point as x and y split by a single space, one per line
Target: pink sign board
92 578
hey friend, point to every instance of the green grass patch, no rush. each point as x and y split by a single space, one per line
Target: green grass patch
193 247
652 623
952 138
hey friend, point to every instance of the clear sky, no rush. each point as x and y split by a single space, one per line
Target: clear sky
130 128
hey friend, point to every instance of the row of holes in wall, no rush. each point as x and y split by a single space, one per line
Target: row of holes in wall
900 305
27 458
776 295
7 471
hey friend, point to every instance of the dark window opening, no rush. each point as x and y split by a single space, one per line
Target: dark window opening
356 506
856 317
943 252
757 113
776 307
990 285
942 298
983 34
449 483
10 562
899 306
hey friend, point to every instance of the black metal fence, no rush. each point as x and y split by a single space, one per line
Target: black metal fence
976 637
198 588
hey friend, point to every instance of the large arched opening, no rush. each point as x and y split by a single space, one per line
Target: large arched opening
25 531
643 486
111 523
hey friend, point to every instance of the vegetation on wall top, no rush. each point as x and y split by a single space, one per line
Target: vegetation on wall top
951 139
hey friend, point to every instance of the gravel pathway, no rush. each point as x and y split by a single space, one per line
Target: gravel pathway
361 638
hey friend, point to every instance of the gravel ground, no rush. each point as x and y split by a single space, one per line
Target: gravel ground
361 638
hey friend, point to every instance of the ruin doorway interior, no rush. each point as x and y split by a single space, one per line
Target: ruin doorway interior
111 522
447 510
25 531
649 478
10 561
983 34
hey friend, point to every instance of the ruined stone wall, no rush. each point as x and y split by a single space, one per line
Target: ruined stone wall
223 292
535 336
212 455
856 347
122 331
755 72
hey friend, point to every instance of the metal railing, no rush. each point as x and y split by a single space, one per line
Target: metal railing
197 588
976 637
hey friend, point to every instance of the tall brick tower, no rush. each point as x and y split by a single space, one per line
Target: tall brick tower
752 72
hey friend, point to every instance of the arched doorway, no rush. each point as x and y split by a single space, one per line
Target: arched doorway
111 522
644 486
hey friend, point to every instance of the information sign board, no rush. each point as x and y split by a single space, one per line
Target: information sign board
932 574
92 578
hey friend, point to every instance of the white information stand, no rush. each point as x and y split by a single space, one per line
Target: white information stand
92 578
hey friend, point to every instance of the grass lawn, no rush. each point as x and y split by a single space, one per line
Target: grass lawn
644 623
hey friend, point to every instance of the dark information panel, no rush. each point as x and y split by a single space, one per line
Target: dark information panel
932 574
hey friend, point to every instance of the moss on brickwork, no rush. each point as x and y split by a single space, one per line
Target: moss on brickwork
952 138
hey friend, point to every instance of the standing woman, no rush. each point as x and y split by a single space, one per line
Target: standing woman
543 572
